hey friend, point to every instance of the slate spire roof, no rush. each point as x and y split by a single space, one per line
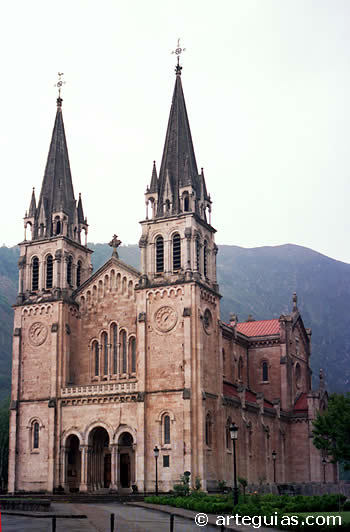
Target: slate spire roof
32 206
57 188
178 167
57 194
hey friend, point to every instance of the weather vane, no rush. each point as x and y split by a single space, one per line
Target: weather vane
59 84
178 51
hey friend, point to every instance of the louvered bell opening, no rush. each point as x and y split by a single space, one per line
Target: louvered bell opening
159 254
176 252
49 271
35 274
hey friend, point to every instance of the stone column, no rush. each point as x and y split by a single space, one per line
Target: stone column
187 265
113 449
57 269
83 467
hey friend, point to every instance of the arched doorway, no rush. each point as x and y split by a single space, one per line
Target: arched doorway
126 460
73 463
99 462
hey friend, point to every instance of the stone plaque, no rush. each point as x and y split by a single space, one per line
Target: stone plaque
37 333
165 318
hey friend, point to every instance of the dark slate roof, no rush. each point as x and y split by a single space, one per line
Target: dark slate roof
57 188
32 206
154 179
80 211
178 161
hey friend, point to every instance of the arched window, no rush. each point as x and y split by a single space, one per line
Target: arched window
176 252
198 253
223 362
115 348
297 373
208 431
159 254
35 274
240 369
69 271
95 350
227 433
133 354
265 371
205 265
57 226
166 429
79 273
105 353
124 353
167 206
49 271
35 435
186 203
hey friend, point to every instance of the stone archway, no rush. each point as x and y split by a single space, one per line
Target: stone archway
73 463
126 466
99 459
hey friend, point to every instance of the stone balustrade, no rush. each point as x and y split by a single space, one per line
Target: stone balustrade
99 389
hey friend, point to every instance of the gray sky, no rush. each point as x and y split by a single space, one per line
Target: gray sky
267 89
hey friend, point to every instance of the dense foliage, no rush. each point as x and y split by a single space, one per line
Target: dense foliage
331 429
259 505
4 443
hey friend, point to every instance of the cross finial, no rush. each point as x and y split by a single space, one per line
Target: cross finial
59 84
178 51
114 243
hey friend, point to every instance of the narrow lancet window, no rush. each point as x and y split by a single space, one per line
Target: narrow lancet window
79 273
205 265
159 254
96 355
105 353
35 274
124 353
176 252
69 271
49 271
265 371
133 355
36 435
115 348
166 429
198 254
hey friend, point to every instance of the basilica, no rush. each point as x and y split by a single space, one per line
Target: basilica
110 365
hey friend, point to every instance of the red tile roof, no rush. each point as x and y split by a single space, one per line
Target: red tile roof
229 389
259 328
301 403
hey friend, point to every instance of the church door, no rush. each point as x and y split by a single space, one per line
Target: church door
125 470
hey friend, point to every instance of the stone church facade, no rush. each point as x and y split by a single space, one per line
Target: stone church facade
108 365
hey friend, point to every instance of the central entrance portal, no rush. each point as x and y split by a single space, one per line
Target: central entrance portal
99 462
126 460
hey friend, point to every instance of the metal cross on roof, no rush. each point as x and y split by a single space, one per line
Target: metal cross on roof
59 84
178 51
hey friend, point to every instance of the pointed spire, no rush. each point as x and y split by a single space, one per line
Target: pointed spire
154 180
178 154
32 206
57 188
81 219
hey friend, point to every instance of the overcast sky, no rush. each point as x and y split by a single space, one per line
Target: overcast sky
267 88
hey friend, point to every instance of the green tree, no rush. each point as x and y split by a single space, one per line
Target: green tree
331 431
4 442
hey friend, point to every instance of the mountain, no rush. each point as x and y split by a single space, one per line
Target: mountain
257 281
